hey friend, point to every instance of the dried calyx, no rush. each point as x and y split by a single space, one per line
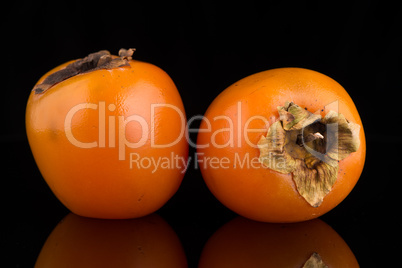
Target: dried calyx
309 147
94 61
315 261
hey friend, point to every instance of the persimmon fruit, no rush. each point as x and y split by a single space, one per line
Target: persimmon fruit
282 145
107 133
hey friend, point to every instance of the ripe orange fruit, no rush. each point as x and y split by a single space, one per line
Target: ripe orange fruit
107 134
282 145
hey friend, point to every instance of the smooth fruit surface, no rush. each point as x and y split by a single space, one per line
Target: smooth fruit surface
100 138
237 119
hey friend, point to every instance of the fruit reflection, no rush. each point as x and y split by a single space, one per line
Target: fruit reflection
83 242
246 243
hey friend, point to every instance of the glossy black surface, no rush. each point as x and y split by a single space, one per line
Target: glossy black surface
368 219
205 47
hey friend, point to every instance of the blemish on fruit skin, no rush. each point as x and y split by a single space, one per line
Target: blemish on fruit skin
53 133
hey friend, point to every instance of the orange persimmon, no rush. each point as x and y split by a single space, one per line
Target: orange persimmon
107 134
283 145
246 243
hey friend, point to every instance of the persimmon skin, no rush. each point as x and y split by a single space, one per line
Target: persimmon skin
100 181
257 192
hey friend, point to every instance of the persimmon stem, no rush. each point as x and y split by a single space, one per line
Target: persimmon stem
314 167
94 61
301 139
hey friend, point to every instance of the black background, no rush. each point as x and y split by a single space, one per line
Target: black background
205 46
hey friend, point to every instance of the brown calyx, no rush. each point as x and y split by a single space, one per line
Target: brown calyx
94 61
315 261
309 147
